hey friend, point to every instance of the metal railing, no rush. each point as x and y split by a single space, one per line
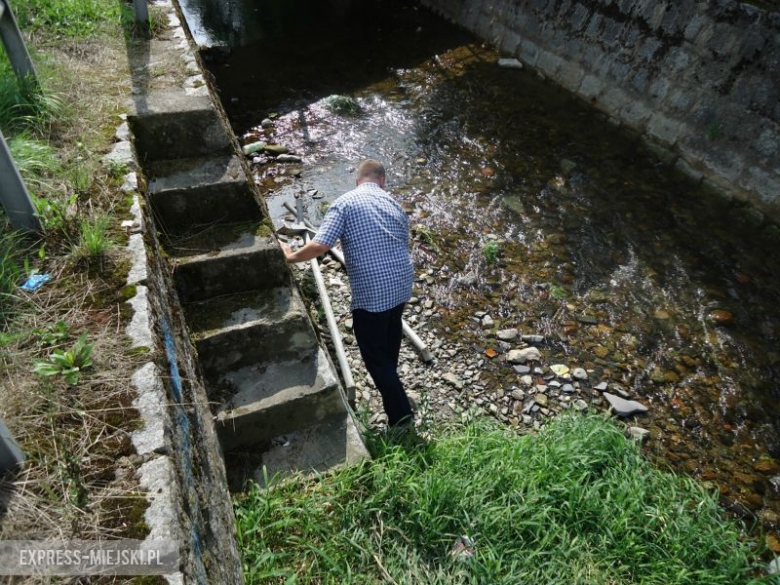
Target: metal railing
13 195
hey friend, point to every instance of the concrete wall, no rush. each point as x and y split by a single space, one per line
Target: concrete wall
699 78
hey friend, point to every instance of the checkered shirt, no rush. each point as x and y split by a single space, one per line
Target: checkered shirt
374 233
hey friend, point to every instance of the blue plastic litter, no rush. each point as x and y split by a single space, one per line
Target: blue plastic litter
35 282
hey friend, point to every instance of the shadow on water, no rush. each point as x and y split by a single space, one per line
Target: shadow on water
309 51
628 267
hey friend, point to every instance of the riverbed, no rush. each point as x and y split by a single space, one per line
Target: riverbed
531 207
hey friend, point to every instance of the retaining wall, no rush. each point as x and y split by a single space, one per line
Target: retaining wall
701 79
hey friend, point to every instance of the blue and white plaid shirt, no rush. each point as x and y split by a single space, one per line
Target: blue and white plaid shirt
374 233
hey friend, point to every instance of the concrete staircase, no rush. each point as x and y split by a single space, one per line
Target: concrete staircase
276 399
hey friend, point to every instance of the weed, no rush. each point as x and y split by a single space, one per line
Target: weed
558 292
577 503
342 104
425 234
24 105
66 363
10 272
95 240
55 213
54 334
34 158
490 251
81 178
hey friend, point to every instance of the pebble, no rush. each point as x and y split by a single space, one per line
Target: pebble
453 380
521 356
579 373
533 338
559 369
521 369
487 322
580 405
266 123
518 394
568 388
509 63
428 304
527 380
507 334
624 407
602 387
773 568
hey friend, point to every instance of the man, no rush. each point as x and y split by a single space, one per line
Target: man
374 234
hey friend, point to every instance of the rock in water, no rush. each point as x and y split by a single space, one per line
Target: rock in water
288 158
276 149
624 407
520 356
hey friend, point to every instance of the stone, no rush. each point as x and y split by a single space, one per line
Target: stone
638 434
267 123
507 334
559 369
428 304
624 407
773 568
526 380
453 380
533 338
521 356
510 63
602 387
518 394
276 149
579 374
289 158
568 388
721 317
487 322
541 399
521 370
580 405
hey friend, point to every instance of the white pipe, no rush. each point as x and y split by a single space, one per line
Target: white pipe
415 340
335 334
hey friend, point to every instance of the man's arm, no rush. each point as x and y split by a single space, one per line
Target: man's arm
309 251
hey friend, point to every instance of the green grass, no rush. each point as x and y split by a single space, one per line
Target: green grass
94 240
25 106
68 18
35 159
576 504
10 269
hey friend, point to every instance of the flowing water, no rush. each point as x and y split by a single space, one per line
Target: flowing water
628 267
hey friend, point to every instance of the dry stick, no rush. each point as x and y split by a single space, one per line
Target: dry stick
418 343
335 334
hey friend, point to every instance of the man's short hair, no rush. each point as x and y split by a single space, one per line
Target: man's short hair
370 169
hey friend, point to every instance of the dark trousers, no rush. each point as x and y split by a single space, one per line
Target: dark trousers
379 338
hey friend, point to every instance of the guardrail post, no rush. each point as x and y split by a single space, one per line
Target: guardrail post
14 44
141 10
11 455
13 195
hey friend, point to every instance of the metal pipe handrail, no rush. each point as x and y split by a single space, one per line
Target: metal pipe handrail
411 335
335 334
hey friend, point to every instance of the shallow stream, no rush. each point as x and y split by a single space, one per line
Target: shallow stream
625 265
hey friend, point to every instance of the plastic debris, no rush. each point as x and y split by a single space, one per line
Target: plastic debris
35 282
463 548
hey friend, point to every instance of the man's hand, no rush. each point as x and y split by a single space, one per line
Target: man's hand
309 251
288 251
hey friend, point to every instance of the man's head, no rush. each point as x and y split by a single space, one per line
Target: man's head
371 171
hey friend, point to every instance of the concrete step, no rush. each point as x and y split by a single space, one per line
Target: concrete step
319 448
238 330
198 191
226 259
263 401
171 124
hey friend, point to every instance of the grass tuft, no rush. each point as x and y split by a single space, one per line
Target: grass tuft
70 18
95 240
576 504
490 251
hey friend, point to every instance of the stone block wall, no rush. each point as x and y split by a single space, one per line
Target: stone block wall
701 79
